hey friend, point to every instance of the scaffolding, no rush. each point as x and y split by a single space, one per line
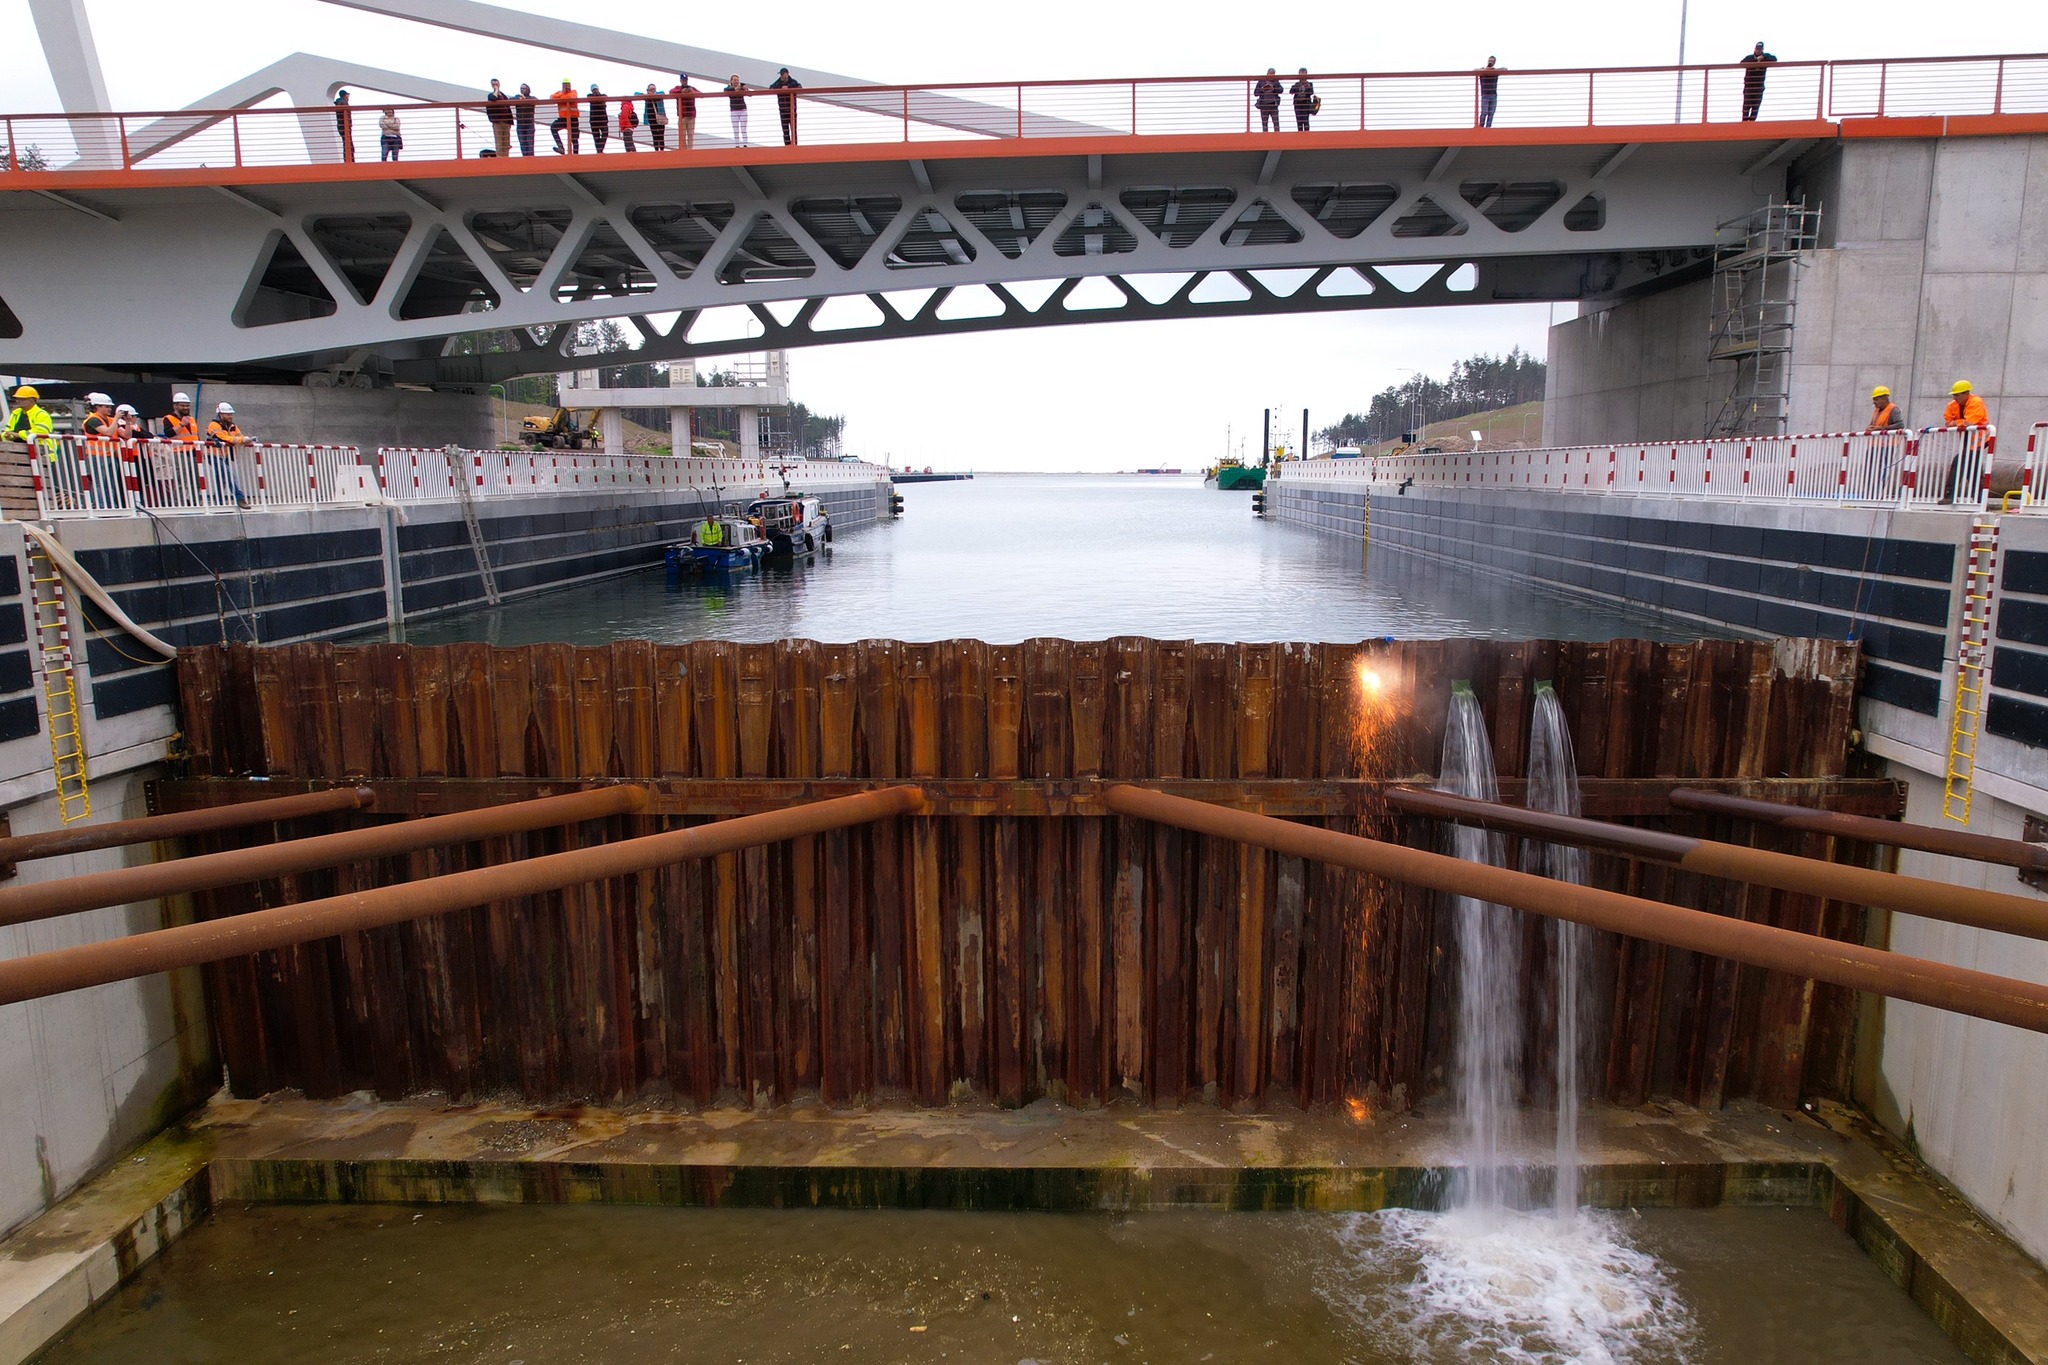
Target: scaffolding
1757 259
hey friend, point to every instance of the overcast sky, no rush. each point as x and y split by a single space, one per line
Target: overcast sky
1084 397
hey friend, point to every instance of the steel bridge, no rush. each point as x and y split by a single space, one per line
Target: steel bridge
259 238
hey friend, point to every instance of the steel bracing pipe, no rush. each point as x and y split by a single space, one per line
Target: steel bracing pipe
1981 994
211 819
1973 906
189 945
1953 843
42 900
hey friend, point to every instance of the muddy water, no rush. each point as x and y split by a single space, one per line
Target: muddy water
533 1286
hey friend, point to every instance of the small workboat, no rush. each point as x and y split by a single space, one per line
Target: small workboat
725 543
793 526
1230 474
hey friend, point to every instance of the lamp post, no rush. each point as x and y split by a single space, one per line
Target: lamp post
1678 96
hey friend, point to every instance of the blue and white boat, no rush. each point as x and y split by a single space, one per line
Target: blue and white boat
725 543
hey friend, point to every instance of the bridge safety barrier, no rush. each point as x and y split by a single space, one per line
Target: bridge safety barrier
1635 97
1938 468
80 476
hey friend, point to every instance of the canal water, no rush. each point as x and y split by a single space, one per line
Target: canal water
540 1286
1006 558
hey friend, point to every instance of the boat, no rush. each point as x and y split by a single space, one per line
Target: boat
1230 474
791 526
736 546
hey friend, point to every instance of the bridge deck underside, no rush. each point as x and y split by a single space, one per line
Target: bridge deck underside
285 277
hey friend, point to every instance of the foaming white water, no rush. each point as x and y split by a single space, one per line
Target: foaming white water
1508 1286
1554 787
1489 979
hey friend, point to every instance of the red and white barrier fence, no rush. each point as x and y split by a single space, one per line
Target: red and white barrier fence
410 474
1951 467
79 476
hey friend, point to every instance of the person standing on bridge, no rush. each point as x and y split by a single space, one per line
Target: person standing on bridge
1489 92
498 109
1305 101
629 119
1266 95
736 96
600 119
522 117
655 114
1965 413
785 104
1754 68
1965 408
345 127
685 96
568 118
390 138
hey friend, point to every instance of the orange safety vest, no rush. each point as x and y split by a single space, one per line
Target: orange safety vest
1971 412
178 428
227 436
1883 420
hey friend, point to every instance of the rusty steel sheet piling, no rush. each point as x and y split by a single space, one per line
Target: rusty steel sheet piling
1972 906
189 945
1020 940
2022 1004
42 900
1953 843
179 824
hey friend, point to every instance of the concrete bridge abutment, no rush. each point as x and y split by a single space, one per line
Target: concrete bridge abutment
1932 267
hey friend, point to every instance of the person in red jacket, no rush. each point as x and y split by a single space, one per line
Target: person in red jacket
629 119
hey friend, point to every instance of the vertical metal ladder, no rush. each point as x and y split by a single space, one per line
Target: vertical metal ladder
1973 650
60 687
458 470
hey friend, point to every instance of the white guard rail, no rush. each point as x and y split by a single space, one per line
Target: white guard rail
77 476
411 474
1941 467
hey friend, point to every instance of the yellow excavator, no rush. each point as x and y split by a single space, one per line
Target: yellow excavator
562 431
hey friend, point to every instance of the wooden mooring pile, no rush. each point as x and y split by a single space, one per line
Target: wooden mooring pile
1019 941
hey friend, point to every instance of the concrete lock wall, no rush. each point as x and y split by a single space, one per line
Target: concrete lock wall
1933 267
88 1075
364 418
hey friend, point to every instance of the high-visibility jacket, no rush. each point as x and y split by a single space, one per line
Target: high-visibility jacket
98 426
218 435
711 533
1968 412
30 424
176 428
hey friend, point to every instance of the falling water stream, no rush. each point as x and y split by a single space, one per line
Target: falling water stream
1495 1276
1554 787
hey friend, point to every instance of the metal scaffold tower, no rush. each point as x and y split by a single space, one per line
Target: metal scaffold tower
1757 259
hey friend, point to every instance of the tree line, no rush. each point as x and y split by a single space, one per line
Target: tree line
1480 384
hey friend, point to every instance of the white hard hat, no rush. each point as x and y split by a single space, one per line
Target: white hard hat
125 407
99 400
228 408
181 398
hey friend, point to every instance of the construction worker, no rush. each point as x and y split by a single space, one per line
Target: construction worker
179 424
97 462
1884 413
99 417
30 421
222 436
1965 408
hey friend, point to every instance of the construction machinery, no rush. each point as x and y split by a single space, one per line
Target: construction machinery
566 429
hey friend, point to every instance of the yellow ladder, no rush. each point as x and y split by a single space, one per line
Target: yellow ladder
60 687
1973 649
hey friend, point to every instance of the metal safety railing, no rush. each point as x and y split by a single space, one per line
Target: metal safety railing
1944 467
78 476
410 474
271 135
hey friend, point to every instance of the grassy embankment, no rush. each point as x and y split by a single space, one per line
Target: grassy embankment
1501 429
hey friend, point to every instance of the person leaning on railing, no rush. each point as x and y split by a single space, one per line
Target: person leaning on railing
1884 413
222 437
1966 413
498 109
30 421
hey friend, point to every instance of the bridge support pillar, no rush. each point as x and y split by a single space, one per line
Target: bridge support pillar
750 433
611 425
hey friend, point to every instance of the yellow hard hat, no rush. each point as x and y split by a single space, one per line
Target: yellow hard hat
1880 392
25 391
1960 386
